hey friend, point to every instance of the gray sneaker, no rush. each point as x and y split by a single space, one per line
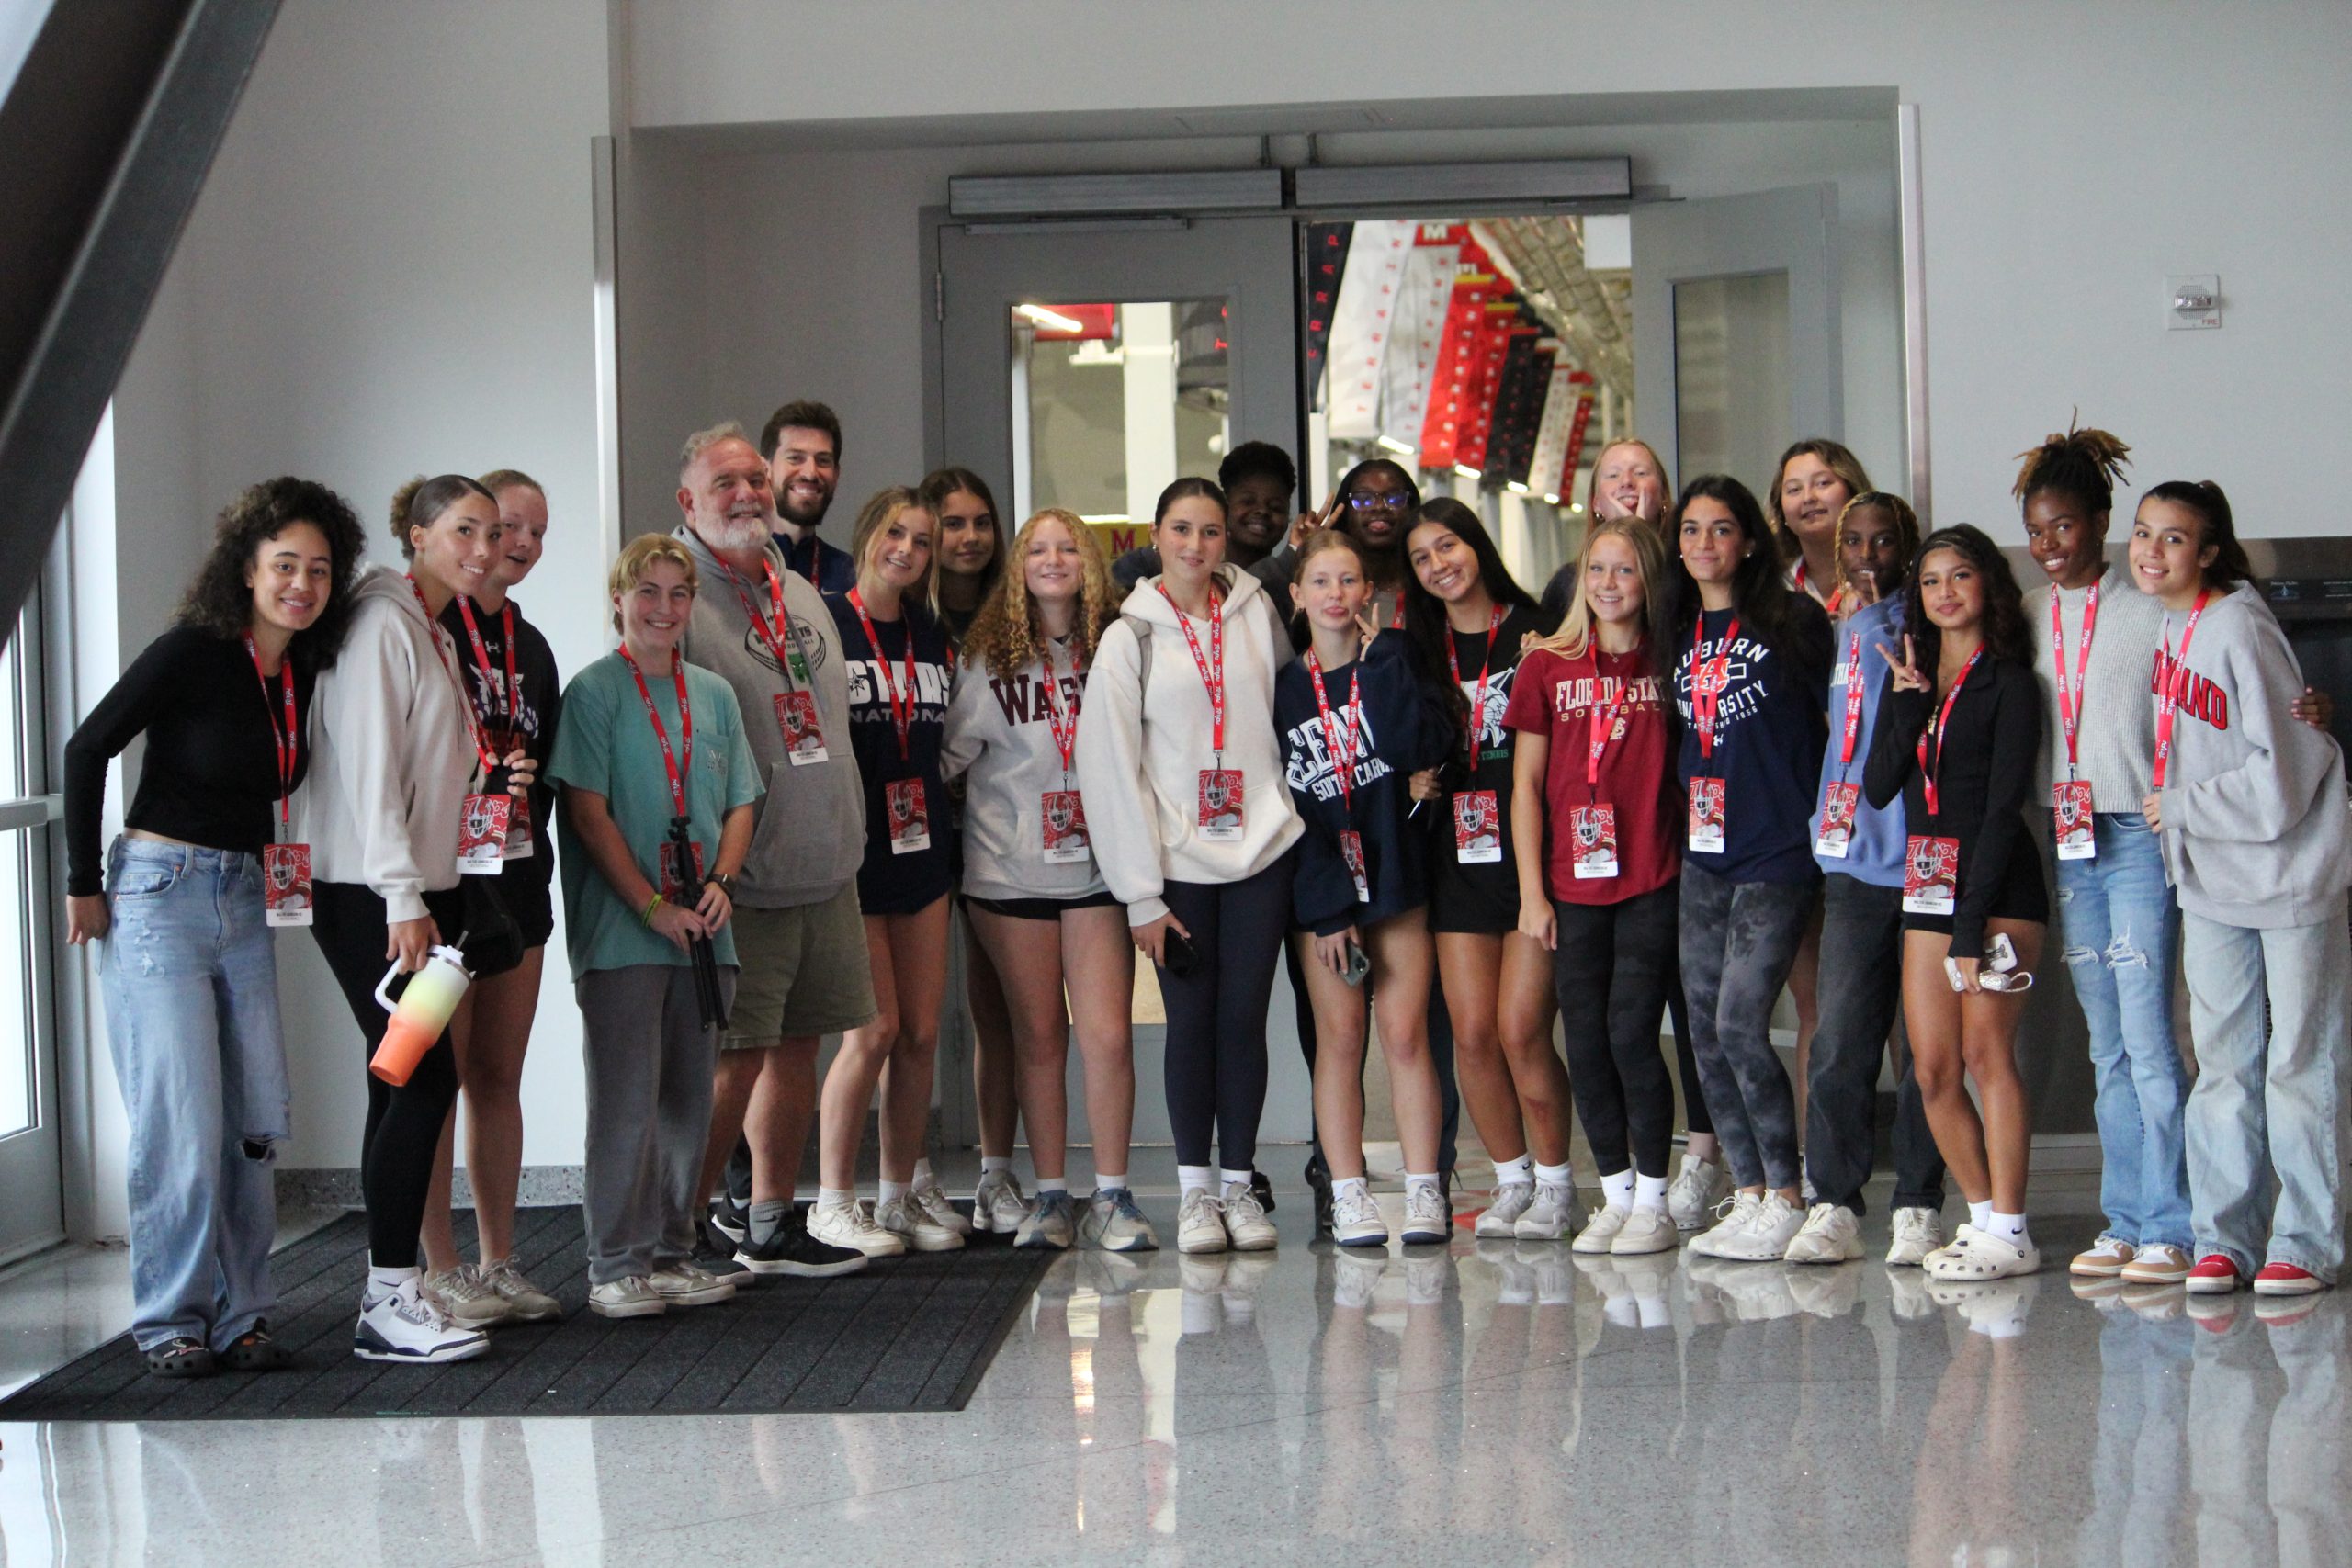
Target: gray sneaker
527 1301
470 1303
998 1204
1114 1224
685 1283
1052 1222
1511 1200
1549 1217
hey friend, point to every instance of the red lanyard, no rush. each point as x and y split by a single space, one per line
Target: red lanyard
777 635
1339 738
510 699
1708 680
902 709
1477 702
1853 701
288 739
1927 773
2175 683
676 769
1212 668
1603 725
465 701
1836 598
1065 731
2070 694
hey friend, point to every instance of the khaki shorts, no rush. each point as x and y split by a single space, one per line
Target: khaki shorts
803 971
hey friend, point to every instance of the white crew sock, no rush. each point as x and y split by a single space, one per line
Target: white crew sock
1514 1172
2010 1228
1554 1174
1191 1178
1237 1177
891 1189
922 1173
1617 1190
382 1282
1343 1185
990 1164
1109 1182
835 1197
1415 1183
1052 1184
1981 1215
1649 1192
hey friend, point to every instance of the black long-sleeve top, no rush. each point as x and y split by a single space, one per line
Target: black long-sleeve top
1985 773
209 777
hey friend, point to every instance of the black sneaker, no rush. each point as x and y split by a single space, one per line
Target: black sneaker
729 1218
1318 1181
790 1249
715 1255
1261 1188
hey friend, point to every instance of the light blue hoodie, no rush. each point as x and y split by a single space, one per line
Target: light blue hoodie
1875 855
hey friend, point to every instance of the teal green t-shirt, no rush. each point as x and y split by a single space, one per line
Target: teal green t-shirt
606 746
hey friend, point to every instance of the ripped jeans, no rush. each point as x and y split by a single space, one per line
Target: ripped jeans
189 973
2120 928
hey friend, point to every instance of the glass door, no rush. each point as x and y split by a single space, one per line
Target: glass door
33 1216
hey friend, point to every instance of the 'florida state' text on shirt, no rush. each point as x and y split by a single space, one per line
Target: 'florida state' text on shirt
1576 696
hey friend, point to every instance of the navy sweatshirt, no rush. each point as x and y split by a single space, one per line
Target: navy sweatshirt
1397 727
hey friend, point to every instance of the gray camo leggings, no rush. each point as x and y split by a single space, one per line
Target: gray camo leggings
1739 940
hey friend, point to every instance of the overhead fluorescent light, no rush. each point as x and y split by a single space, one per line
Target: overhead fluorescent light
1467 188
1061 196
1466 471
1104 517
1391 444
1054 319
1516 488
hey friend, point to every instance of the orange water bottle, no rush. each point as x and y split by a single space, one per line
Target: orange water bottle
420 1016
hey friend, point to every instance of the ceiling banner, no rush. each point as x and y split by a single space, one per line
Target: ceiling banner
1363 320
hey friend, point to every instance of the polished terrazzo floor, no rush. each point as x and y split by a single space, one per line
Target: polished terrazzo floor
1494 1403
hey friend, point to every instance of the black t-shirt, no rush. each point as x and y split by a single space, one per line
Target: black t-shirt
209 777
1481 895
890 882
529 722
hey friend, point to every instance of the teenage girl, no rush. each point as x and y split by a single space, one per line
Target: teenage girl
1752 663
1958 727
1035 895
1355 724
1467 620
224 700
970 565
401 765
510 676
1597 861
1192 826
2250 804
898 668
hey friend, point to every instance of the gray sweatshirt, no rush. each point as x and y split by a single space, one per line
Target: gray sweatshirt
2116 744
2256 830
1000 737
811 832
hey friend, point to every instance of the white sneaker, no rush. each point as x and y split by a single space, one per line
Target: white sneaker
1428 1221
1769 1229
1549 1216
1732 1218
1696 1190
906 1218
1247 1229
848 1225
1355 1276
1917 1231
687 1283
998 1204
1831 1234
528 1303
469 1300
405 1325
1355 1219
1200 1223
1600 1229
632 1297
1511 1200
933 1200
1647 1229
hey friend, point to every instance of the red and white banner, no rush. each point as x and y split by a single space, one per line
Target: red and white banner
1419 338
1362 323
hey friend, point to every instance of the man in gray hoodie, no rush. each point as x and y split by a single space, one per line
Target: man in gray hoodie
798 933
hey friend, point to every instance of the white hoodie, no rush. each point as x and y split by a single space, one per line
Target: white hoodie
1141 748
392 755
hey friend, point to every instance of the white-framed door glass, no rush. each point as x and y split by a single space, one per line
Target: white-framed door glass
29 1171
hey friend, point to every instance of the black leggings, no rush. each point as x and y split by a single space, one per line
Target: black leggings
405 1123
1686 1061
1215 1066
1613 966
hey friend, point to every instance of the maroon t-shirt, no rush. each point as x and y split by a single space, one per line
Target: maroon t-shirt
1555 697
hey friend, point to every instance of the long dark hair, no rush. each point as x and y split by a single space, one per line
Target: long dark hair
2203 497
1424 612
936 487
1757 593
2004 626
221 601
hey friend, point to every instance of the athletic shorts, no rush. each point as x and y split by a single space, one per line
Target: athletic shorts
1041 908
804 971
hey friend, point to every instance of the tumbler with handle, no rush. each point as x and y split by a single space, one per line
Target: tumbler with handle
421 1014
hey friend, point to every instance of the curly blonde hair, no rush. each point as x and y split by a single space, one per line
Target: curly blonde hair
1004 636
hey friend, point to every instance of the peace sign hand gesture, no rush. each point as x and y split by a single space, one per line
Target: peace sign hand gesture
1308 522
1905 672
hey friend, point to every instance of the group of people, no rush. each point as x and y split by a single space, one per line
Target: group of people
1736 747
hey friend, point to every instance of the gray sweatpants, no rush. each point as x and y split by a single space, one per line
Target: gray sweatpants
650 1063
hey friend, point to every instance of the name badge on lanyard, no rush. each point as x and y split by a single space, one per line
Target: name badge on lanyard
1704 833
796 706
1931 861
903 799
1061 812
507 734
1477 813
2070 797
1592 827
1338 737
1841 802
1219 811
482 819
284 868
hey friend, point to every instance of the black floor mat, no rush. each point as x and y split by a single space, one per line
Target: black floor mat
904 1334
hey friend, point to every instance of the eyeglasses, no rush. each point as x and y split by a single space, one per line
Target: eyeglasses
1376 502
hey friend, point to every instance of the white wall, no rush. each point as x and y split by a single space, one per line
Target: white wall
389 272
2072 156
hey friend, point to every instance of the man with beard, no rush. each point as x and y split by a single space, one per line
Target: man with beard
802 445
1258 478
799 934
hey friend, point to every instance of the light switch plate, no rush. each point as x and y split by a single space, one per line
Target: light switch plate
2208 284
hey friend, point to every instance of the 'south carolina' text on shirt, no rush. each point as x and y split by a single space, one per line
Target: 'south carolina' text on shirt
1309 750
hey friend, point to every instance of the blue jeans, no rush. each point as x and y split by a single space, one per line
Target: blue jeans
2266 1152
2120 928
189 973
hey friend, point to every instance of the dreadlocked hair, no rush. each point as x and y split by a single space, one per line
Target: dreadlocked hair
2085 466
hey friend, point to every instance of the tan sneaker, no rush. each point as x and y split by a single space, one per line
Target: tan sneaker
2106 1257
2162 1264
